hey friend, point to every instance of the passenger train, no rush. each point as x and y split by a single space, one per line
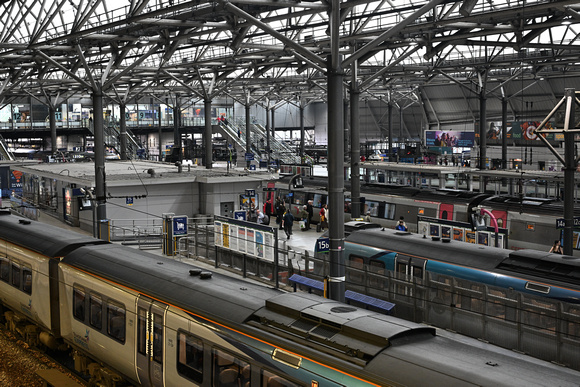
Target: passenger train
530 221
136 318
525 300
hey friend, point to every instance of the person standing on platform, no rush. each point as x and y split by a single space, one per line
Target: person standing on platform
303 215
401 226
310 210
260 217
287 223
279 209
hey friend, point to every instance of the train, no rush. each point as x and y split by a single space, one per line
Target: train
134 318
524 300
528 222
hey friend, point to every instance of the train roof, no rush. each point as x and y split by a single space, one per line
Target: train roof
348 330
460 253
219 297
40 238
538 264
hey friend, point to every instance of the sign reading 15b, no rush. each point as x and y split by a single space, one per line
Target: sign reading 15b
323 245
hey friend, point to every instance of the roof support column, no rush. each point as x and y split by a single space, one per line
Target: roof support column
123 130
482 132
160 136
355 208
301 109
52 123
207 134
335 159
100 190
176 122
268 150
248 133
504 133
569 169
390 112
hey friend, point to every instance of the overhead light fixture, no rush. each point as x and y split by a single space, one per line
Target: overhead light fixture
567 21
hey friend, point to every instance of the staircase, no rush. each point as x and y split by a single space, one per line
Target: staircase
112 136
235 132
4 152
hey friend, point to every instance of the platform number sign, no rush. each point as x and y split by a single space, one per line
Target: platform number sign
323 245
58 116
561 222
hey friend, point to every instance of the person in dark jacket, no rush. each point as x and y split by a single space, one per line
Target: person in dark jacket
287 222
310 210
280 209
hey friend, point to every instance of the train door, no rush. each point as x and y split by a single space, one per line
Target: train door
150 332
446 211
410 272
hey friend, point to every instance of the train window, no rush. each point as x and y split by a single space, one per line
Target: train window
539 313
377 274
229 370
319 200
571 317
96 311
190 357
16 275
537 287
142 331
4 269
356 272
116 321
272 380
299 198
389 211
373 207
27 280
158 338
79 303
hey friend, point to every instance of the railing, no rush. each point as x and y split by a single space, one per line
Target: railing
145 233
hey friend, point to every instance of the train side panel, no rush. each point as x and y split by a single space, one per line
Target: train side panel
24 283
98 319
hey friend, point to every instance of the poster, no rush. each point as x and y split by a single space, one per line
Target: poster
242 239
259 244
483 238
233 237
269 246
469 236
226 235
218 233
449 138
446 232
434 230
250 242
458 234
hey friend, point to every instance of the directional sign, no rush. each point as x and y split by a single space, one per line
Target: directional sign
561 222
180 225
249 156
240 215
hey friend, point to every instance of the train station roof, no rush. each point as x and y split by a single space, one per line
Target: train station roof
436 59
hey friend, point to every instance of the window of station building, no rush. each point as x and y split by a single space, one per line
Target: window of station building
229 370
27 280
79 303
16 275
4 269
190 357
116 321
270 379
389 212
96 311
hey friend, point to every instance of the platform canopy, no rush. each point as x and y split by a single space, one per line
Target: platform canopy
434 59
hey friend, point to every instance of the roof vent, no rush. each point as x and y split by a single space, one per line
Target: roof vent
24 221
205 275
446 240
194 272
435 239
